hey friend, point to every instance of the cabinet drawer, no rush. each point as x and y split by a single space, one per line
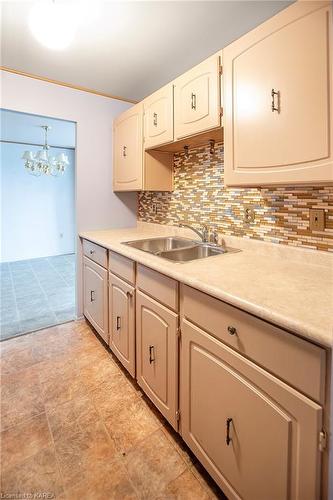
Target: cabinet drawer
122 266
96 253
296 361
158 286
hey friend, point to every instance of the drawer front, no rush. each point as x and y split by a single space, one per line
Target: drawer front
296 361
96 253
158 286
122 267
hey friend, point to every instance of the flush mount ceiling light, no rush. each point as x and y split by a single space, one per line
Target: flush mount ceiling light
53 24
42 163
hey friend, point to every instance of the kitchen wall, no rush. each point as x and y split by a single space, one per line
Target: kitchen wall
37 213
97 207
199 196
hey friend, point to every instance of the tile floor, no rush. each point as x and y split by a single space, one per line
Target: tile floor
36 293
76 427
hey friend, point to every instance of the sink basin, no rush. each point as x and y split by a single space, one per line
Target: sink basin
178 249
157 245
199 251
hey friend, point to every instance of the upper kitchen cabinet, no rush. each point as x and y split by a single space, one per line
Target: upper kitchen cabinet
128 156
158 117
278 100
134 170
198 98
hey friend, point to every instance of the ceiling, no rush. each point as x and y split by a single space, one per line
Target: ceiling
132 48
23 127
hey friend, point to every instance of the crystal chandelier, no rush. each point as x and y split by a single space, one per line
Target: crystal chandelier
42 163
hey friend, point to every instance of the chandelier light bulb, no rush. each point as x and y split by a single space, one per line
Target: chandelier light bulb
53 24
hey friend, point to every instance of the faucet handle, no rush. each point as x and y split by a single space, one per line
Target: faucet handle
214 236
205 233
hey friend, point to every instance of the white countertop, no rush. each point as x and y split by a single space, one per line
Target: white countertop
292 288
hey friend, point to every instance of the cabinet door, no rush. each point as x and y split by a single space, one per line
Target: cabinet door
95 283
128 150
122 322
198 99
158 117
157 354
255 435
277 105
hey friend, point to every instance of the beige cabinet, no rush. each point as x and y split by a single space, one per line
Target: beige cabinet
197 95
134 169
256 436
127 150
95 296
278 100
158 117
157 354
122 322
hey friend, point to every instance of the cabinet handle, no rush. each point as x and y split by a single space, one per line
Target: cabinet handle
232 330
92 251
155 119
92 295
124 151
151 354
118 326
275 105
228 424
129 294
193 101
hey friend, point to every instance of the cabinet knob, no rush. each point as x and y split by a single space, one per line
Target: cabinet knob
232 330
124 151
92 295
155 119
129 294
92 251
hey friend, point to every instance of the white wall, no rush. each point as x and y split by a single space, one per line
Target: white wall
37 213
24 127
97 207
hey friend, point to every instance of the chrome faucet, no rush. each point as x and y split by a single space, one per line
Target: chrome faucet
202 234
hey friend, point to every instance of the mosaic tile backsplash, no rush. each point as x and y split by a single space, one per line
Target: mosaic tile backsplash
199 196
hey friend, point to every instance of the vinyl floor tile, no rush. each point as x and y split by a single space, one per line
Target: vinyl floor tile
78 427
37 474
36 293
110 482
23 441
153 464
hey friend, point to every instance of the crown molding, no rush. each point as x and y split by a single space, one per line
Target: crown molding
64 84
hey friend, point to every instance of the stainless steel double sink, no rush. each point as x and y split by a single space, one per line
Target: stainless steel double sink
178 249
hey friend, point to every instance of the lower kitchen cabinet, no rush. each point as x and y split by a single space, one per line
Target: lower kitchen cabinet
122 322
258 437
157 355
95 296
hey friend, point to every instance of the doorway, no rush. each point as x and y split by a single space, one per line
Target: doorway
38 264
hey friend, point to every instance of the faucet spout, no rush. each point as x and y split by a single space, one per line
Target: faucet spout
202 234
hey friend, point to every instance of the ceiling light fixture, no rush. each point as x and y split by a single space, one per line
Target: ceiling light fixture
53 24
42 163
